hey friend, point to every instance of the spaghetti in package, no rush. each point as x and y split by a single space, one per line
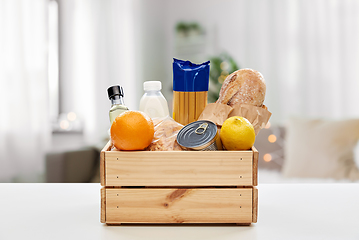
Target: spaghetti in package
166 130
190 90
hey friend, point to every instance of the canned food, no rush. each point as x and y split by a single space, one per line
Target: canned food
200 136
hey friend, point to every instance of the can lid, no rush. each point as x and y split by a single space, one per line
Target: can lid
197 135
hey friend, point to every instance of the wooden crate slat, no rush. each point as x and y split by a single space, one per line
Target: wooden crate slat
255 205
102 163
195 173
166 205
255 166
103 205
181 168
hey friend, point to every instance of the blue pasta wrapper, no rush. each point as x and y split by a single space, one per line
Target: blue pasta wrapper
190 77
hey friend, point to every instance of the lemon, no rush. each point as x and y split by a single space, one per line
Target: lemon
237 133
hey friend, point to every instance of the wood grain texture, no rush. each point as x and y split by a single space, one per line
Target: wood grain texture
179 168
166 205
255 166
255 205
102 163
102 169
103 205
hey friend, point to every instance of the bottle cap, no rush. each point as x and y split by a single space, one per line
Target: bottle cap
152 85
115 90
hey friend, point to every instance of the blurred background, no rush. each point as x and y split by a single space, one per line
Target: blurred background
58 57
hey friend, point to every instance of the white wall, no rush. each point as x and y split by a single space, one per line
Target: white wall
307 51
240 28
298 46
98 48
153 43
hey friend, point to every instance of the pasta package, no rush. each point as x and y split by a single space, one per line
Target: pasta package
190 90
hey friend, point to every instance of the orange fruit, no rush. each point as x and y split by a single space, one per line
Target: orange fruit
132 130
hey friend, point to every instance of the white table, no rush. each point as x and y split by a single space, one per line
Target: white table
286 211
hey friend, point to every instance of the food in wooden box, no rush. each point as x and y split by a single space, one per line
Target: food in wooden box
243 86
242 94
237 133
128 126
165 135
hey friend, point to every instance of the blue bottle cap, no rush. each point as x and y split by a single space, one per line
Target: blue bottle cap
190 77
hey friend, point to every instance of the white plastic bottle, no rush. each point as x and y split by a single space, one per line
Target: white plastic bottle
153 103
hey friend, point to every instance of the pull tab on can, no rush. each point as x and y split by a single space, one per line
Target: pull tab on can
200 136
203 126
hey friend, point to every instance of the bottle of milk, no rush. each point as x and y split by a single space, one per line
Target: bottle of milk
153 103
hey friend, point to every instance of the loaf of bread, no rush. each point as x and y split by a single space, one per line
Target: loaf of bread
243 86
165 136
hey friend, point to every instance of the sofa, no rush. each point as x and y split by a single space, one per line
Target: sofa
74 166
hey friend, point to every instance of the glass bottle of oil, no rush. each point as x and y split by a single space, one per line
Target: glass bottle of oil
115 94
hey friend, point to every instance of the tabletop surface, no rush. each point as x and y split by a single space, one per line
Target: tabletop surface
285 211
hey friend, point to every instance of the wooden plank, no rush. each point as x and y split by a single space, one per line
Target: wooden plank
102 169
170 205
255 205
107 147
255 166
103 205
179 168
102 163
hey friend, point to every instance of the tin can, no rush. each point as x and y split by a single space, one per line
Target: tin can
200 136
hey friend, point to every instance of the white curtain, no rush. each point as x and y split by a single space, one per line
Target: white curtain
307 50
314 65
24 121
97 48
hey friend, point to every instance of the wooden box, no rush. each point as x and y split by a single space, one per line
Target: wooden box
178 186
